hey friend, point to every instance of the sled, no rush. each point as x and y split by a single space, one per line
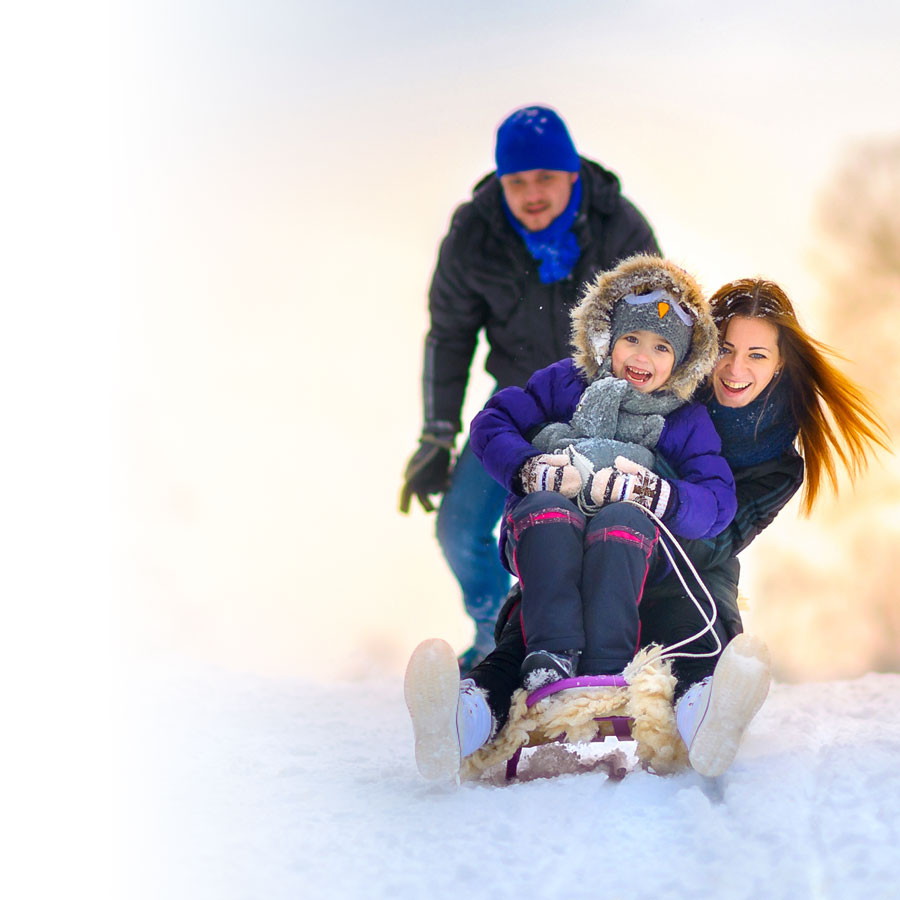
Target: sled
635 706
618 727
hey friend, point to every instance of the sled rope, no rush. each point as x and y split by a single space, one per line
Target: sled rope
672 650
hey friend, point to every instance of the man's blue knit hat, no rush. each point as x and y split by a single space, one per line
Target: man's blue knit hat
535 137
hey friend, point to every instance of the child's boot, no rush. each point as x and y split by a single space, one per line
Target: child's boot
541 667
713 714
450 719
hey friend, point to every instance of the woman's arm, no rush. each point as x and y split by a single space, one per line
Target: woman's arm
703 493
763 490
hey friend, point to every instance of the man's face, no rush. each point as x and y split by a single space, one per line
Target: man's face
538 196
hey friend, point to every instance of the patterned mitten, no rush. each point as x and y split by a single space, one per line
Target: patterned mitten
629 481
550 472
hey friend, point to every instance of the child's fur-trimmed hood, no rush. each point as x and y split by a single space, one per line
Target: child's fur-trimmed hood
641 274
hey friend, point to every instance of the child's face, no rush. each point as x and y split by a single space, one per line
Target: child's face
643 359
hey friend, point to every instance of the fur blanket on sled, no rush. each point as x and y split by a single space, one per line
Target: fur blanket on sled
647 701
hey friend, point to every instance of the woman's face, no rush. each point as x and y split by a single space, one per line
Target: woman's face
749 359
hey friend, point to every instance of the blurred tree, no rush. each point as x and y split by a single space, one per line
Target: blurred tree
859 225
828 588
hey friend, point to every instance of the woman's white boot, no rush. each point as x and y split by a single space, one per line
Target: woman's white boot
713 714
450 719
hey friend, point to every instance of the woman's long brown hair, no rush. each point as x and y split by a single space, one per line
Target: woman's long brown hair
834 417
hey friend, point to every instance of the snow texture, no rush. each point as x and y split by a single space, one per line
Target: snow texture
256 788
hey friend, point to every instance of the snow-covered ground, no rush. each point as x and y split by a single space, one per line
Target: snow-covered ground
251 788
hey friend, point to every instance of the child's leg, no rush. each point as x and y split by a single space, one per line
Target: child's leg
545 545
620 548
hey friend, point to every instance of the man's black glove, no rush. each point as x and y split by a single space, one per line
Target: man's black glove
428 472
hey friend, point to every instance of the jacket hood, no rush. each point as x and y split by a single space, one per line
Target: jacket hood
641 274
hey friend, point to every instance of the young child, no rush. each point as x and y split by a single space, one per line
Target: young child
612 423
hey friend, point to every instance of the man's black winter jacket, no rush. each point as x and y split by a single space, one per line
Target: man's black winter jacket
486 278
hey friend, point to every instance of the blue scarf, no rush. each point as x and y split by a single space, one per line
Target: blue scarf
759 431
554 247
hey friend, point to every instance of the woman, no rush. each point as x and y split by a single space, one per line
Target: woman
774 386
786 416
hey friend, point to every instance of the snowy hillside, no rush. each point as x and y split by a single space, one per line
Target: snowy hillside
286 789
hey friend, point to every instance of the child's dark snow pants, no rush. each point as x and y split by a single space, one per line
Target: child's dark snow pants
582 578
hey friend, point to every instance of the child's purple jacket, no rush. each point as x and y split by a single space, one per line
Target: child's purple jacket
703 495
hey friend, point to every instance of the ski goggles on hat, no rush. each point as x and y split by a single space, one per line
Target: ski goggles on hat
664 301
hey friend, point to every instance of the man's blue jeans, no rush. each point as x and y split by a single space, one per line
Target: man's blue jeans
466 520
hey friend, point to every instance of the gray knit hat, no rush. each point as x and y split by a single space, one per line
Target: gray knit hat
658 312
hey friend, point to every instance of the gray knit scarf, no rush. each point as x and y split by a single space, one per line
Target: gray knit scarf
612 419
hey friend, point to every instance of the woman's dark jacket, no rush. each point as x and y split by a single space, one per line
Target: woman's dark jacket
762 491
486 278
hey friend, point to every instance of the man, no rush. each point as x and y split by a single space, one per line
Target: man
513 263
